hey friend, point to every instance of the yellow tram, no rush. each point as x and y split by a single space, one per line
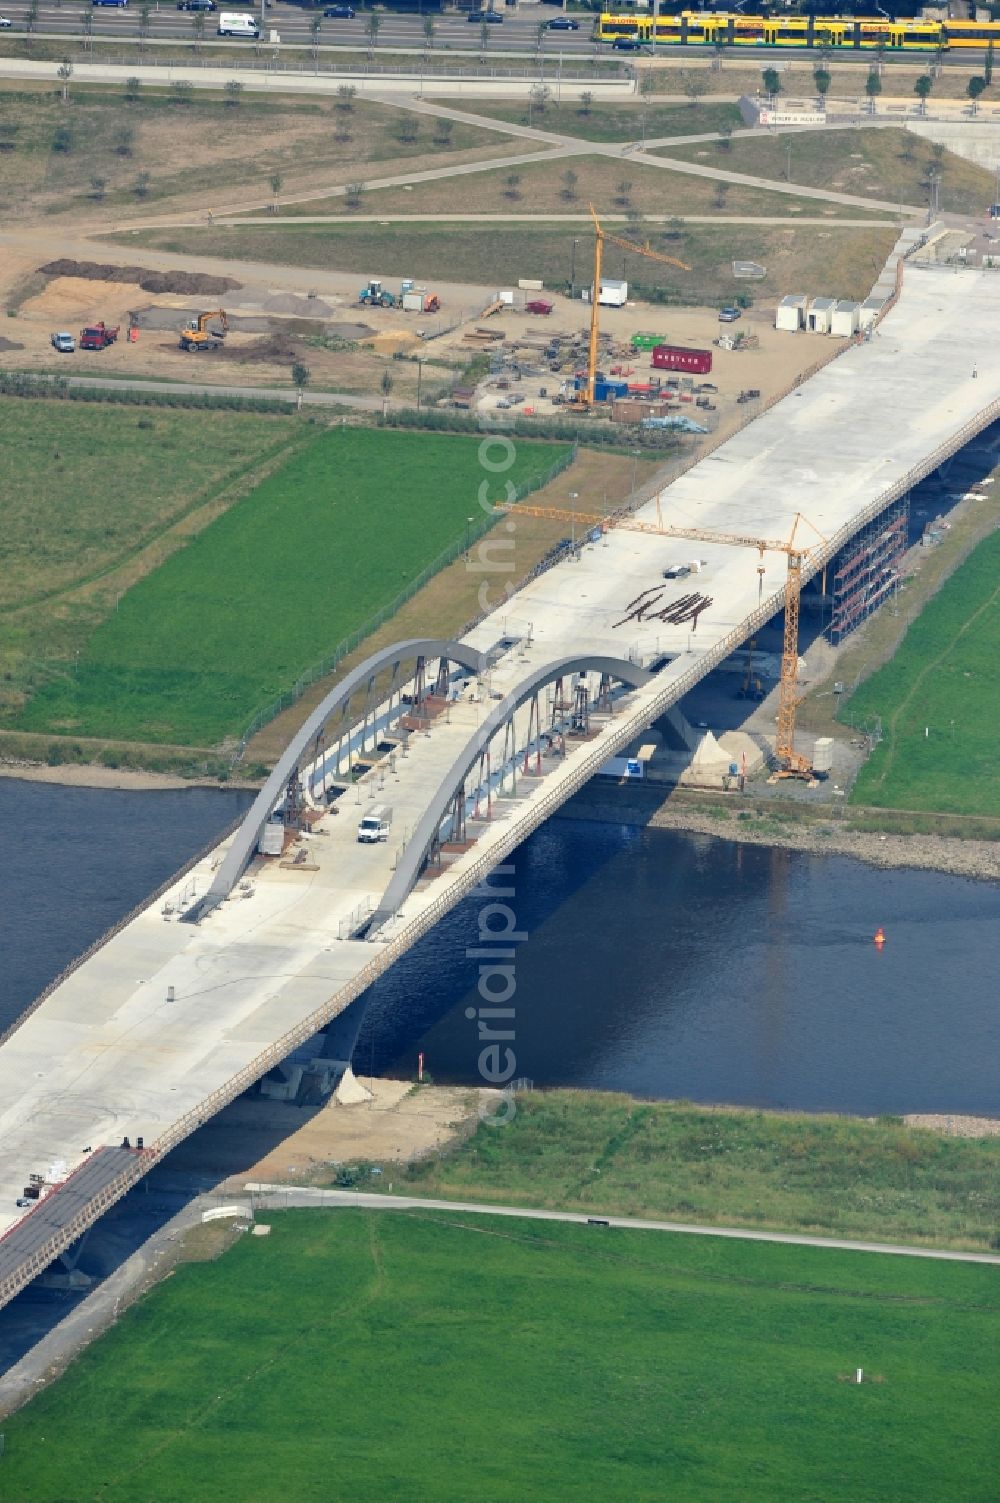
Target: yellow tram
839 33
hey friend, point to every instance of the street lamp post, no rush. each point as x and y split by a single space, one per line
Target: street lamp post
574 496
635 461
468 536
420 372
572 265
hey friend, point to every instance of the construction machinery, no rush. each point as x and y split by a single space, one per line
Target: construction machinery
98 336
376 296
791 764
197 335
586 397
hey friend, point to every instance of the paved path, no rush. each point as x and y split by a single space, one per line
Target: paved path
277 1197
272 393
540 220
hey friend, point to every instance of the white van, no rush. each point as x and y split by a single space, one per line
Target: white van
237 24
375 825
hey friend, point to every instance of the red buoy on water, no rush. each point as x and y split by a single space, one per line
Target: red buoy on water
879 937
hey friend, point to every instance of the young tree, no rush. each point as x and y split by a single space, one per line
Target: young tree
372 27
407 130
234 91
386 385
725 138
623 193
198 24
821 78
143 25
586 101
988 64
315 27
540 31
345 98
721 190
62 140
484 36
772 82
873 88
354 193
131 91
300 375
64 73
974 88
442 131
568 189
922 88
87 27
512 187
539 97
98 187
693 85
429 30
142 184
124 140
718 54
181 91
276 181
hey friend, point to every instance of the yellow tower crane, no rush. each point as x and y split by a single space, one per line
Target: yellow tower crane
600 236
791 764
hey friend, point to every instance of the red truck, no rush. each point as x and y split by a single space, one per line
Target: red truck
672 357
539 305
97 337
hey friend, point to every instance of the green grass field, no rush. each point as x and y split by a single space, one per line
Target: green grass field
439 1358
845 260
605 1153
271 587
95 495
939 701
610 122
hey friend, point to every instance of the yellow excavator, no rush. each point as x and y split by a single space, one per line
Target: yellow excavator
197 335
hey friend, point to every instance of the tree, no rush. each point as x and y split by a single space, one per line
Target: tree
540 31
673 229
143 25
821 78
345 98
407 130
586 100
234 90
873 88
974 88
386 384
98 187
718 53
31 17
568 189
141 185
354 193
721 190
132 87
300 376
429 30
484 35
693 85
199 30
372 27
64 73
623 193
725 138
513 185
646 82
124 140
62 140
181 90
87 27
988 64
772 82
442 131
922 89
276 181
539 97
315 27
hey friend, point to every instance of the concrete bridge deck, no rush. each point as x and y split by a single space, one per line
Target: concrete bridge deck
169 1021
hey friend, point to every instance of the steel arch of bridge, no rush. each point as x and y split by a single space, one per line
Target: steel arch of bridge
412 859
248 835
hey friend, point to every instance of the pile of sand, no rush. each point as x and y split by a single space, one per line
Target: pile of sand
187 283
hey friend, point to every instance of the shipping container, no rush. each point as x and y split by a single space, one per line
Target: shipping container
670 357
647 341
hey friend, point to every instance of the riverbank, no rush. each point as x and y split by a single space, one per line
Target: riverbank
93 775
789 826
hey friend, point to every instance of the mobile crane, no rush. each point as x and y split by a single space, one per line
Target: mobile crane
586 397
197 335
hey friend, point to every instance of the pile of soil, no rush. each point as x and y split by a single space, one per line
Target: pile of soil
10 344
275 349
187 283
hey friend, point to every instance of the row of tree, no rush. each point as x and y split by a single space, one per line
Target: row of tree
922 87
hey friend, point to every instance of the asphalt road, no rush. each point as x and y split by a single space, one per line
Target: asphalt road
273 393
277 1197
516 36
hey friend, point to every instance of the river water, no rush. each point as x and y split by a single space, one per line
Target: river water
655 962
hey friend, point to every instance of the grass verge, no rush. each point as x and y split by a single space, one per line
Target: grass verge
195 649
627 120
498 1359
938 701
845 261
603 1153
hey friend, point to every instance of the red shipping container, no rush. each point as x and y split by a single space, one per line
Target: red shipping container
671 357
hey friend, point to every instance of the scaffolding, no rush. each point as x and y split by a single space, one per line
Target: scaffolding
866 571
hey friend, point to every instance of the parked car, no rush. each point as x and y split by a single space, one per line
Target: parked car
563 23
117 4
64 343
729 315
195 4
22 1202
340 12
493 17
6 23
626 44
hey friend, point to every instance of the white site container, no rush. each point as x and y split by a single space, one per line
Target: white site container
819 315
846 319
823 754
791 313
870 310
